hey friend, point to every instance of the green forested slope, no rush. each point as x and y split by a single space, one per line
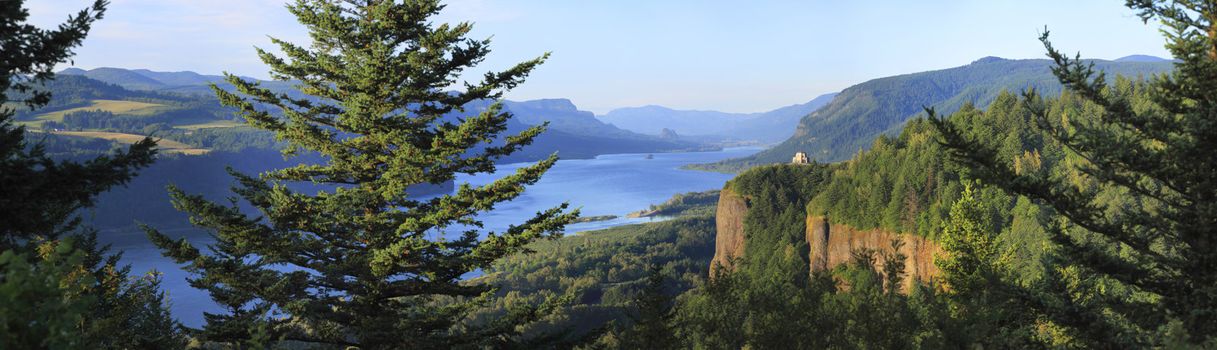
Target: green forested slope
877 107
906 184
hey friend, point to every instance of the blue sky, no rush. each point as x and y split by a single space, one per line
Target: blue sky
736 56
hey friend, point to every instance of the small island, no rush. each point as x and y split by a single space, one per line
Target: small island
582 219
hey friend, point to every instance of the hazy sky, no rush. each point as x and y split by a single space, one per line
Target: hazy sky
737 56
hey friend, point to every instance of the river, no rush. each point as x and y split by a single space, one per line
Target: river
615 184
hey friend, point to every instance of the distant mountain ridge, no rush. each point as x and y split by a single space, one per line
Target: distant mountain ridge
574 132
1141 58
640 123
862 112
144 79
183 82
117 76
562 114
766 127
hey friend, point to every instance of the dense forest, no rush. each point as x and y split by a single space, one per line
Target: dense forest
905 184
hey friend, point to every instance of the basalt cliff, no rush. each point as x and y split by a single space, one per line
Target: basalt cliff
829 244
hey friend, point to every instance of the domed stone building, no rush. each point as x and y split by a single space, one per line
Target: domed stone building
800 158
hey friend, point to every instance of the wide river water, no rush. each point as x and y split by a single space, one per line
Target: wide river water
614 184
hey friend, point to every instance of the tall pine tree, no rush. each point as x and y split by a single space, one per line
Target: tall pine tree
364 264
1160 155
969 246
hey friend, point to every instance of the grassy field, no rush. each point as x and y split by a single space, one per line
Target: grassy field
112 106
211 124
165 145
29 124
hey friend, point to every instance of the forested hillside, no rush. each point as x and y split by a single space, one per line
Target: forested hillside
877 107
903 184
907 185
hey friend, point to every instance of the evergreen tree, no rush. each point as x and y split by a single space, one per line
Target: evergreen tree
36 310
1160 154
982 306
60 292
653 313
969 246
70 294
362 263
712 315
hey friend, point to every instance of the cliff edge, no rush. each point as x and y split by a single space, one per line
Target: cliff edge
830 245
833 245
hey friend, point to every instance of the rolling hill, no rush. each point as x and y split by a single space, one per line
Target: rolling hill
881 106
184 82
1141 58
109 99
113 106
125 78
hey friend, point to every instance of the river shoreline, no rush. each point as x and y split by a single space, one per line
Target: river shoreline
606 186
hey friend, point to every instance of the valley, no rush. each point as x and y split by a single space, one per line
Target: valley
640 208
614 185
831 180
889 200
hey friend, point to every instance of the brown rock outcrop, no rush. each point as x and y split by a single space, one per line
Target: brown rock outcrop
729 223
833 245
818 238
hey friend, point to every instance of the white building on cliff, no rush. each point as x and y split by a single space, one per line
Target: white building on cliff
800 158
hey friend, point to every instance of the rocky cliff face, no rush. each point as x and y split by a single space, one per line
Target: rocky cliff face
729 241
831 244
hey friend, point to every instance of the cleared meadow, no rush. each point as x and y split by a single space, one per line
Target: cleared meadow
165 145
211 125
112 106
